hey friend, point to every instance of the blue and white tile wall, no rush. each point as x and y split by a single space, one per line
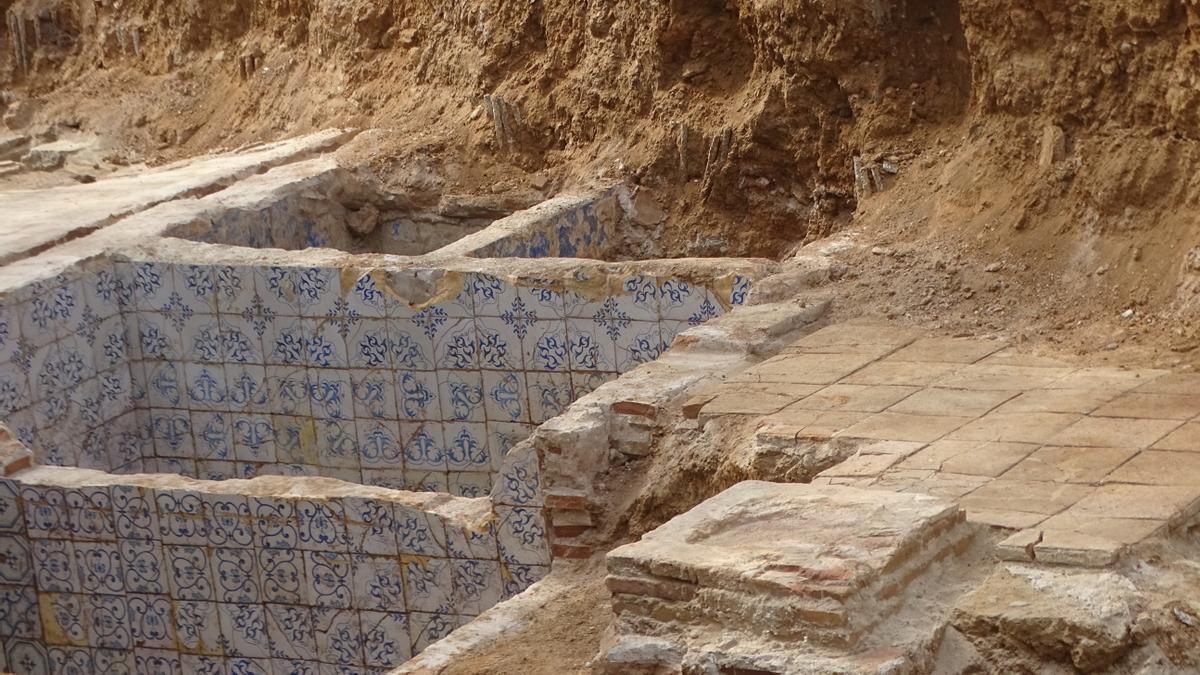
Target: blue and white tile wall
285 224
66 388
125 579
577 232
231 372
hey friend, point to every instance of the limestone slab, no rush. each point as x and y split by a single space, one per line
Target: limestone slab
754 399
951 485
861 466
1120 530
1091 614
805 424
1059 547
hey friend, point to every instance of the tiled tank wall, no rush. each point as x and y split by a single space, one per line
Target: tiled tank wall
564 227
109 576
222 371
287 225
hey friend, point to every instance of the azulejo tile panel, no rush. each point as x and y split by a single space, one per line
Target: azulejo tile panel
207 580
222 372
227 371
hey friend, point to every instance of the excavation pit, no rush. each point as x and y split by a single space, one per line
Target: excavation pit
292 459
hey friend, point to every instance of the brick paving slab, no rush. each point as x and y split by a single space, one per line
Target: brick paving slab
954 402
943 484
1114 432
1095 458
1070 465
1151 502
1016 427
1012 357
1002 378
1152 406
1173 383
1098 378
1160 468
976 458
902 427
904 373
947 350
1060 400
1041 497
855 398
1185 439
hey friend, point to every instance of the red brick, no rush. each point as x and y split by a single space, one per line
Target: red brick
569 531
570 551
636 408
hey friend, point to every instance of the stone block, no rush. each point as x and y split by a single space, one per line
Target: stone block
820 563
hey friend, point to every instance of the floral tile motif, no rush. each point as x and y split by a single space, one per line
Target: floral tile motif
16 562
19 615
338 636
386 640
522 535
244 630
283 575
379 443
224 372
290 630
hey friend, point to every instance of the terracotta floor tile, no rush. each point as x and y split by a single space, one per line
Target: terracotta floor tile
953 402
1030 427
899 427
1114 432
1160 468
819 369
1169 503
1152 406
976 458
1173 383
947 350
1060 400
902 373
1070 464
1184 439
1026 496
1101 378
1003 378
854 398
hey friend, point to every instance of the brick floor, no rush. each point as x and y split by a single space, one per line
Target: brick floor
1082 461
